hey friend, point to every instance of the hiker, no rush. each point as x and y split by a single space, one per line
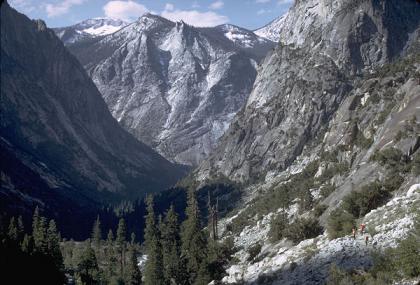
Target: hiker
366 240
362 228
353 231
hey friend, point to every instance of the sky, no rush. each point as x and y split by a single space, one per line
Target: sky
250 14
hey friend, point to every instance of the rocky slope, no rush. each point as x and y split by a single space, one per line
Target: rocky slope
271 31
59 143
334 114
324 47
89 29
173 86
380 117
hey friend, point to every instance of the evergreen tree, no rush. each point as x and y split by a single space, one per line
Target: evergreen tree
20 229
203 275
96 234
133 274
171 247
217 257
110 240
39 232
154 269
193 239
133 239
27 244
120 241
111 260
305 200
53 245
13 231
87 267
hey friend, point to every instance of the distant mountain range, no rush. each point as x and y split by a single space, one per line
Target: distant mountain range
90 28
173 86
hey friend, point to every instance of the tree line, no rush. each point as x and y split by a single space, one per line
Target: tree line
174 252
183 254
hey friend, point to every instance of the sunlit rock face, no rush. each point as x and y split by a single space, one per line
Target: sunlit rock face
324 46
173 86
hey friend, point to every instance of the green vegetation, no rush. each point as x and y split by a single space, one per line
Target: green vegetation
388 266
340 223
188 257
358 138
296 231
298 188
302 229
177 254
36 253
153 273
369 197
326 190
320 209
397 162
358 203
253 251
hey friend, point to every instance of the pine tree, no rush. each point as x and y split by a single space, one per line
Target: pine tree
20 229
39 232
53 245
27 244
133 239
133 274
305 200
121 243
171 247
96 234
87 267
154 269
13 231
193 239
203 275
111 260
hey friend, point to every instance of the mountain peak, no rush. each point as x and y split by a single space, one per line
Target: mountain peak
89 28
147 20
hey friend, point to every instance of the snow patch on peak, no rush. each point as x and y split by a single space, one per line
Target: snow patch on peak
102 30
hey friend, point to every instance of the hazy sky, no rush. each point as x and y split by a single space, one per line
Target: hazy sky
249 14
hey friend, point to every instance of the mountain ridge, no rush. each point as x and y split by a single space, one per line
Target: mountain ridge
57 127
174 86
324 68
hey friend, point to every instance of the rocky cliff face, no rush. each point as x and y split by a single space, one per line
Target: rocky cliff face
57 135
379 118
334 114
173 86
271 31
324 46
89 29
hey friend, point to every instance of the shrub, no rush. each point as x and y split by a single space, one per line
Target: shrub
305 200
336 275
277 226
253 251
340 223
369 197
326 190
407 256
302 229
415 164
320 209
400 262
390 157
393 182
